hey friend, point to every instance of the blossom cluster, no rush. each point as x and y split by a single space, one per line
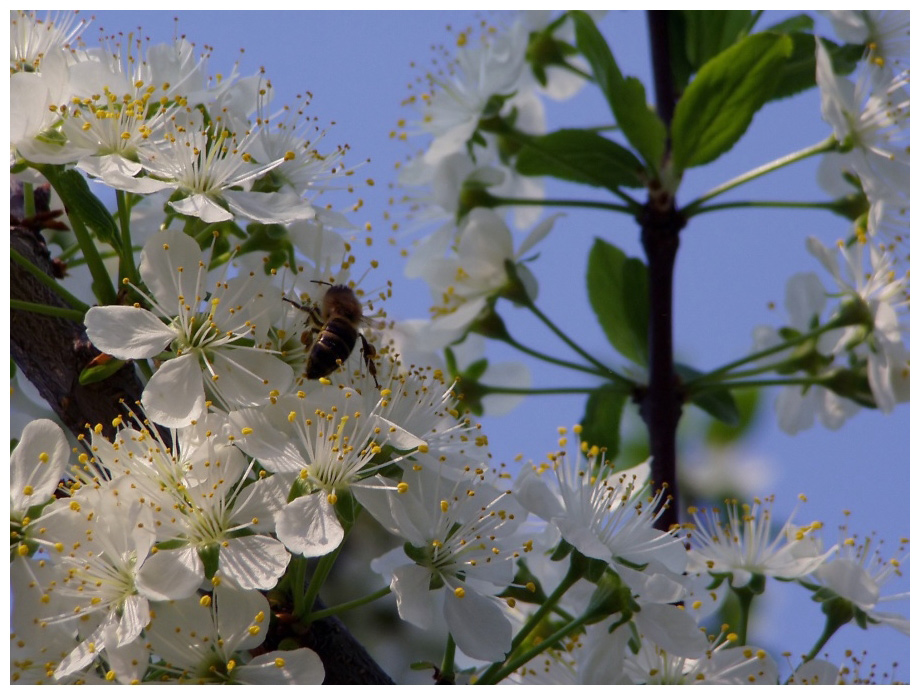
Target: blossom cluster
278 404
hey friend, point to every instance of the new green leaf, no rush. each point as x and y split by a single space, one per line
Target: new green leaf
720 103
640 125
618 292
582 156
601 422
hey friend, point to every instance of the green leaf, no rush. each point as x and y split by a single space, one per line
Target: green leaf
79 200
720 103
798 74
717 402
721 434
582 156
709 32
799 22
641 126
618 292
601 421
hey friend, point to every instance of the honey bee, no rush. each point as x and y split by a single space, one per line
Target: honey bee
334 332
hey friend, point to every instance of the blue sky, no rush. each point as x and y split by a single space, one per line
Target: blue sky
731 264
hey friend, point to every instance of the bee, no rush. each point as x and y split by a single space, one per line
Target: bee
334 332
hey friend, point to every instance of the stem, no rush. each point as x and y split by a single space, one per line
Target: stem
571 577
297 571
126 267
509 390
447 674
28 200
514 664
44 309
797 381
102 283
605 370
745 599
753 357
320 574
828 145
49 282
348 605
552 360
762 204
565 203
660 404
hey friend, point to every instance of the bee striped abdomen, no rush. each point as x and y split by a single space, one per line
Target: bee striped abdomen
334 343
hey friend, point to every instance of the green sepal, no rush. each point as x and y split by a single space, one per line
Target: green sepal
601 421
618 292
562 550
210 558
612 596
518 589
100 372
717 402
719 104
640 125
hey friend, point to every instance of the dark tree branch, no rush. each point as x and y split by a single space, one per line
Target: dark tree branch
660 404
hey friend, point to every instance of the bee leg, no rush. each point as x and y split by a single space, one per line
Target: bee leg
369 352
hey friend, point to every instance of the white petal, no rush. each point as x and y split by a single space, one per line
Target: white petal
199 205
411 584
164 253
672 629
36 464
247 377
478 625
308 526
270 208
298 667
135 614
532 492
127 332
174 396
170 574
254 562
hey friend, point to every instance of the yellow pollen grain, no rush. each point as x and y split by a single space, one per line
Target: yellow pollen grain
332 498
459 592
402 488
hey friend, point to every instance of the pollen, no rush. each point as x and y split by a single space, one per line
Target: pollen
459 592
246 431
402 488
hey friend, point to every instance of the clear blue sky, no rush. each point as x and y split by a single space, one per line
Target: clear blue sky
730 266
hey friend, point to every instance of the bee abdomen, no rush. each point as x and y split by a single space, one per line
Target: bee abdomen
335 342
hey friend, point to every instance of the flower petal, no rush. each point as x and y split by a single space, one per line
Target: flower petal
308 526
478 625
174 396
127 332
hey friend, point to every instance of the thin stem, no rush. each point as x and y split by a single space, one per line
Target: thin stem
828 145
28 200
49 282
487 390
514 664
745 599
297 571
605 370
59 312
573 575
552 360
102 283
748 383
320 574
755 356
447 663
348 605
763 204
126 267
566 203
